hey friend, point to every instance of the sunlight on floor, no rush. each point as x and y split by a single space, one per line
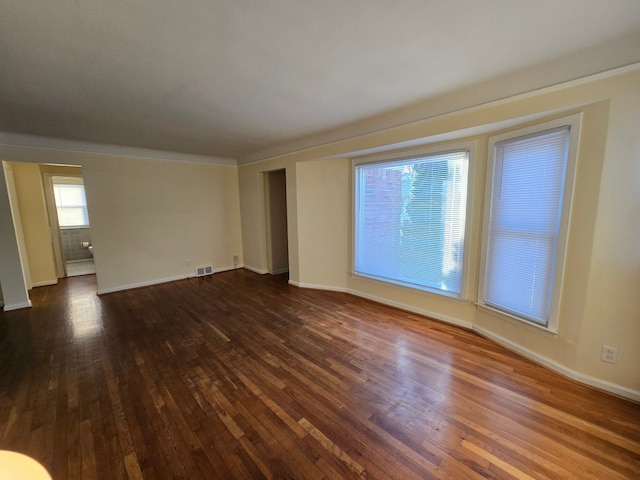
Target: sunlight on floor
84 267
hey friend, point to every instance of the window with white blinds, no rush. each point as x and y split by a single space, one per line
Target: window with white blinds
410 220
71 204
526 188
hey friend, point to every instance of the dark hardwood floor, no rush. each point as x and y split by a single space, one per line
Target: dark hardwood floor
243 376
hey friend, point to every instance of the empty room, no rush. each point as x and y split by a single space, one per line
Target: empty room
320 240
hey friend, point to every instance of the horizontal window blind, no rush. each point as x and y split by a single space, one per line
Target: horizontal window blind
410 220
526 205
71 205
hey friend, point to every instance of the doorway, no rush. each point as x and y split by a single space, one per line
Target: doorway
69 217
275 189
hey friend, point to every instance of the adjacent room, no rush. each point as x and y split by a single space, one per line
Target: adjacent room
290 239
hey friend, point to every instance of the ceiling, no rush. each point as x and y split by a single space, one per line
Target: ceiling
236 78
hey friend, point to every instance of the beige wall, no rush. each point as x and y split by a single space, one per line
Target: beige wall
254 233
612 306
323 226
157 220
150 217
35 223
599 301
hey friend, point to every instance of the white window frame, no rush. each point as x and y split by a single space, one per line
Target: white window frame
409 155
573 122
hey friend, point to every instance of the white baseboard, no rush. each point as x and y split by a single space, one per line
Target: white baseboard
411 308
551 364
120 288
255 270
45 283
17 306
401 306
317 287
226 269
279 271
535 357
559 368
158 281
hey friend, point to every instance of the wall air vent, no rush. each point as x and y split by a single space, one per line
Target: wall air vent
204 270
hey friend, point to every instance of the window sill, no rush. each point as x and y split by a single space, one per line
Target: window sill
412 287
549 332
75 227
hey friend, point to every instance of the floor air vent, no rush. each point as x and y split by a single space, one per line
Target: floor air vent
205 270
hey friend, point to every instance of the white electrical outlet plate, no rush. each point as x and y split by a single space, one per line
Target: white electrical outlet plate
609 354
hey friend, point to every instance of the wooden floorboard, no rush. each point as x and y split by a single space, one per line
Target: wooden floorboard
239 375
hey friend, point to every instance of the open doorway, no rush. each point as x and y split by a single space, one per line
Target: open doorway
69 218
275 190
30 230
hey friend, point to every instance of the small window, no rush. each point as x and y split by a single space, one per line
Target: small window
410 217
71 203
529 186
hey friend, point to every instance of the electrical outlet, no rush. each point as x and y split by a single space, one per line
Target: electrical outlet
187 262
609 354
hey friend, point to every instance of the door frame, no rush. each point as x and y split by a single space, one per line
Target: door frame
269 232
54 224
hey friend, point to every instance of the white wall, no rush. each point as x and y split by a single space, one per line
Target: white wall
14 269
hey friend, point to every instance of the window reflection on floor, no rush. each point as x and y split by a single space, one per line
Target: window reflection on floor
83 316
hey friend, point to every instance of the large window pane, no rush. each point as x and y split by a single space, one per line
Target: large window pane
524 223
71 205
410 220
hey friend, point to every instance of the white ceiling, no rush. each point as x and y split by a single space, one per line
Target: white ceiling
236 77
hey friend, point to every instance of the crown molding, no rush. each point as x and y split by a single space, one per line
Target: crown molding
8 139
433 108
